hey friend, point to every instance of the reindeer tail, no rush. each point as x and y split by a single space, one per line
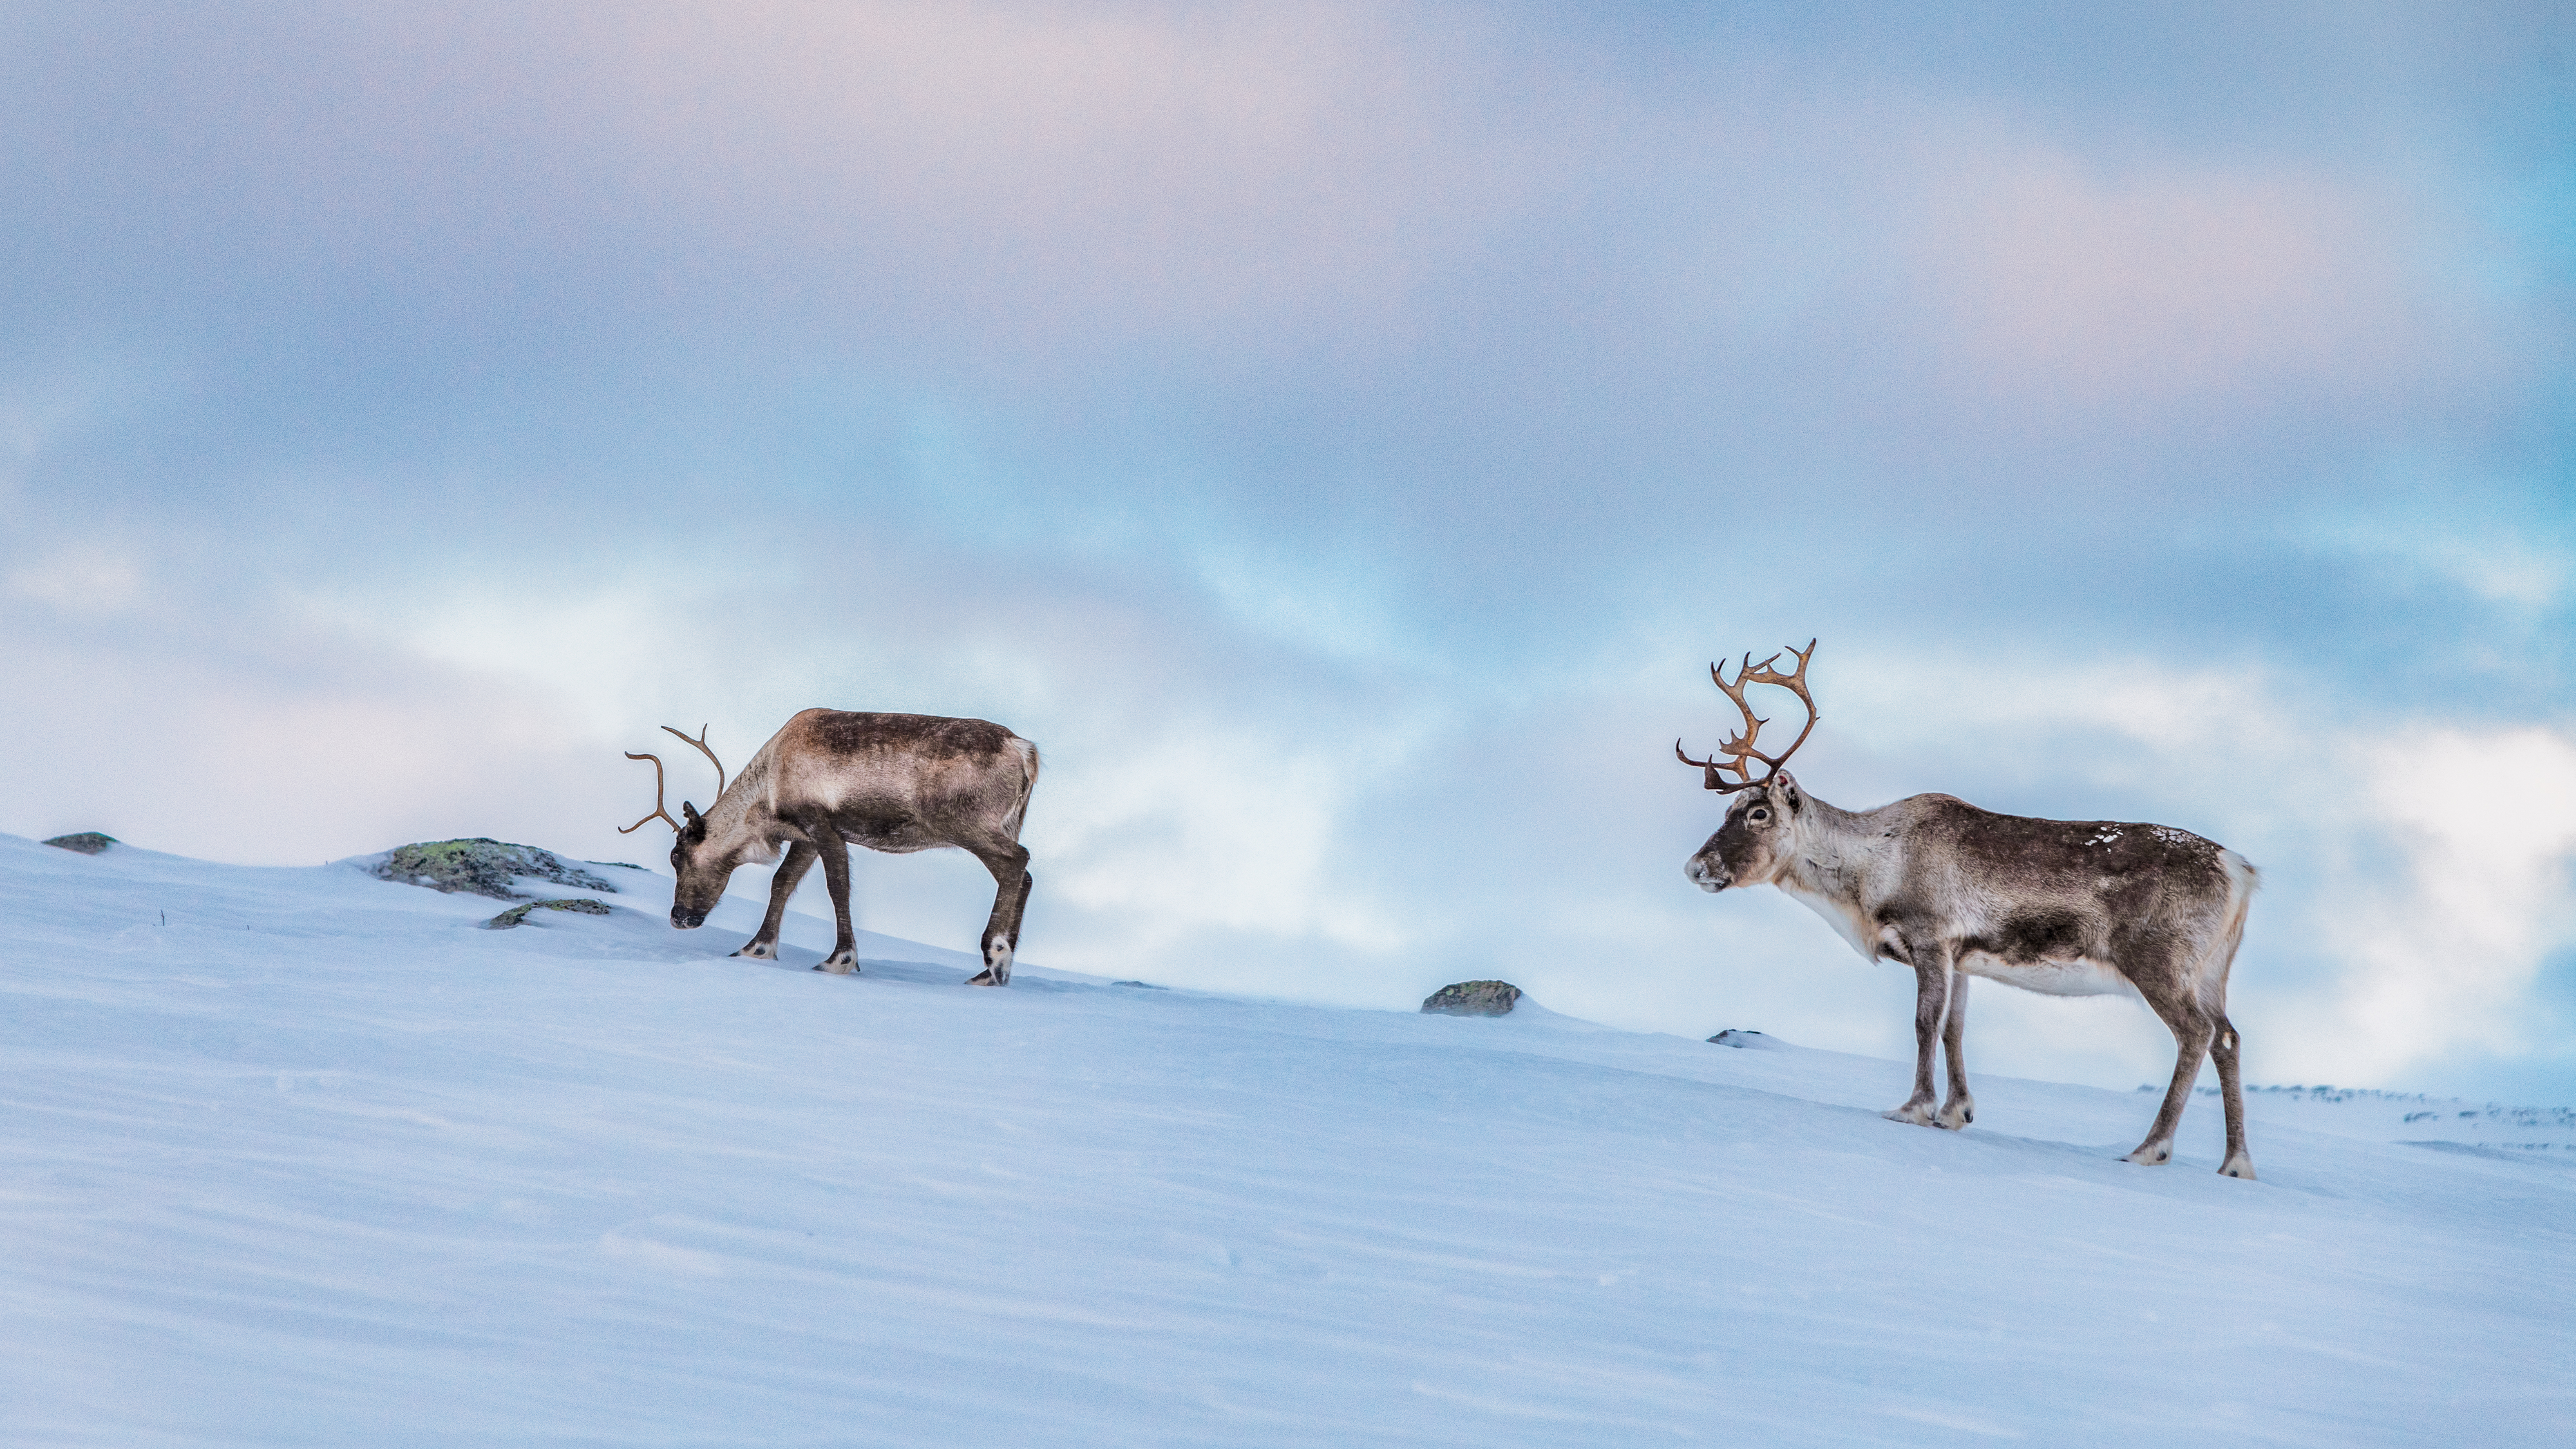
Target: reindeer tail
2242 881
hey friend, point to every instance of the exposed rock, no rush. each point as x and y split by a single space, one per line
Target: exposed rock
1141 985
1473 998
482 867
518 915
88 842
1737 1036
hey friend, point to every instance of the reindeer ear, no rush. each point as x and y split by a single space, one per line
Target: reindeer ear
689 810
1786 785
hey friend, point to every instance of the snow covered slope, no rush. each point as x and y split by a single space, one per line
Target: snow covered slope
318 1162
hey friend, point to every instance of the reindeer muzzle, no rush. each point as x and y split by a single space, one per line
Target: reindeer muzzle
1707 875
687 920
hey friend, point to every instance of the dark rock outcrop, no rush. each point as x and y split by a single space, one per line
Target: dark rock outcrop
1473 998
1737 1036
483 867
87 842
518 915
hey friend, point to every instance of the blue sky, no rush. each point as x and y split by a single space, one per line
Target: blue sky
1340 436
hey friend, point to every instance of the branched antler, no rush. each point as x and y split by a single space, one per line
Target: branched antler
658 808
701 743
1740 748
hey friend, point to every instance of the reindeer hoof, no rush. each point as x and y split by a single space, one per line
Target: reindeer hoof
1955 1117
985 978
758 952
2238 1167
838 968
2152 1155
1917 1114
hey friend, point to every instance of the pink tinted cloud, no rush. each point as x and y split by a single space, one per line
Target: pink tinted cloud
2059 284
1044 169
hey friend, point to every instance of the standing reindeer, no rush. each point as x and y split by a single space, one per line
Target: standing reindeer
890 782
2067 908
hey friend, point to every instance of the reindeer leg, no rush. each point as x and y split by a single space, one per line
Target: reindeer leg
800 859
1011 884
1931 1005
2223 1047
844 960
1960 1109
1019 908
2191 1029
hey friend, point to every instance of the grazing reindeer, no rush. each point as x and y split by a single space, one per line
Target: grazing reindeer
890 782
2067 908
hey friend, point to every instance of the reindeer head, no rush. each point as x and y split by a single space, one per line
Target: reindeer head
702 871
1752 844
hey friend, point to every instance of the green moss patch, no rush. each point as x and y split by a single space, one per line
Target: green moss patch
483 867
518 915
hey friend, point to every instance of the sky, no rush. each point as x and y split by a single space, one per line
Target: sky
1341 437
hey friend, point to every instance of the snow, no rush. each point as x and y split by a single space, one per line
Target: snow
319 1162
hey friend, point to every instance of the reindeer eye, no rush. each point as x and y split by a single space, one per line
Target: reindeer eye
1757 813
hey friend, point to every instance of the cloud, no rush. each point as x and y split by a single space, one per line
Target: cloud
81 579
2173 286
2485 823
2525 568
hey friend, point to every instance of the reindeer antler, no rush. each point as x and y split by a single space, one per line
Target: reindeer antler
657 795
701 743
1740 747
658 807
